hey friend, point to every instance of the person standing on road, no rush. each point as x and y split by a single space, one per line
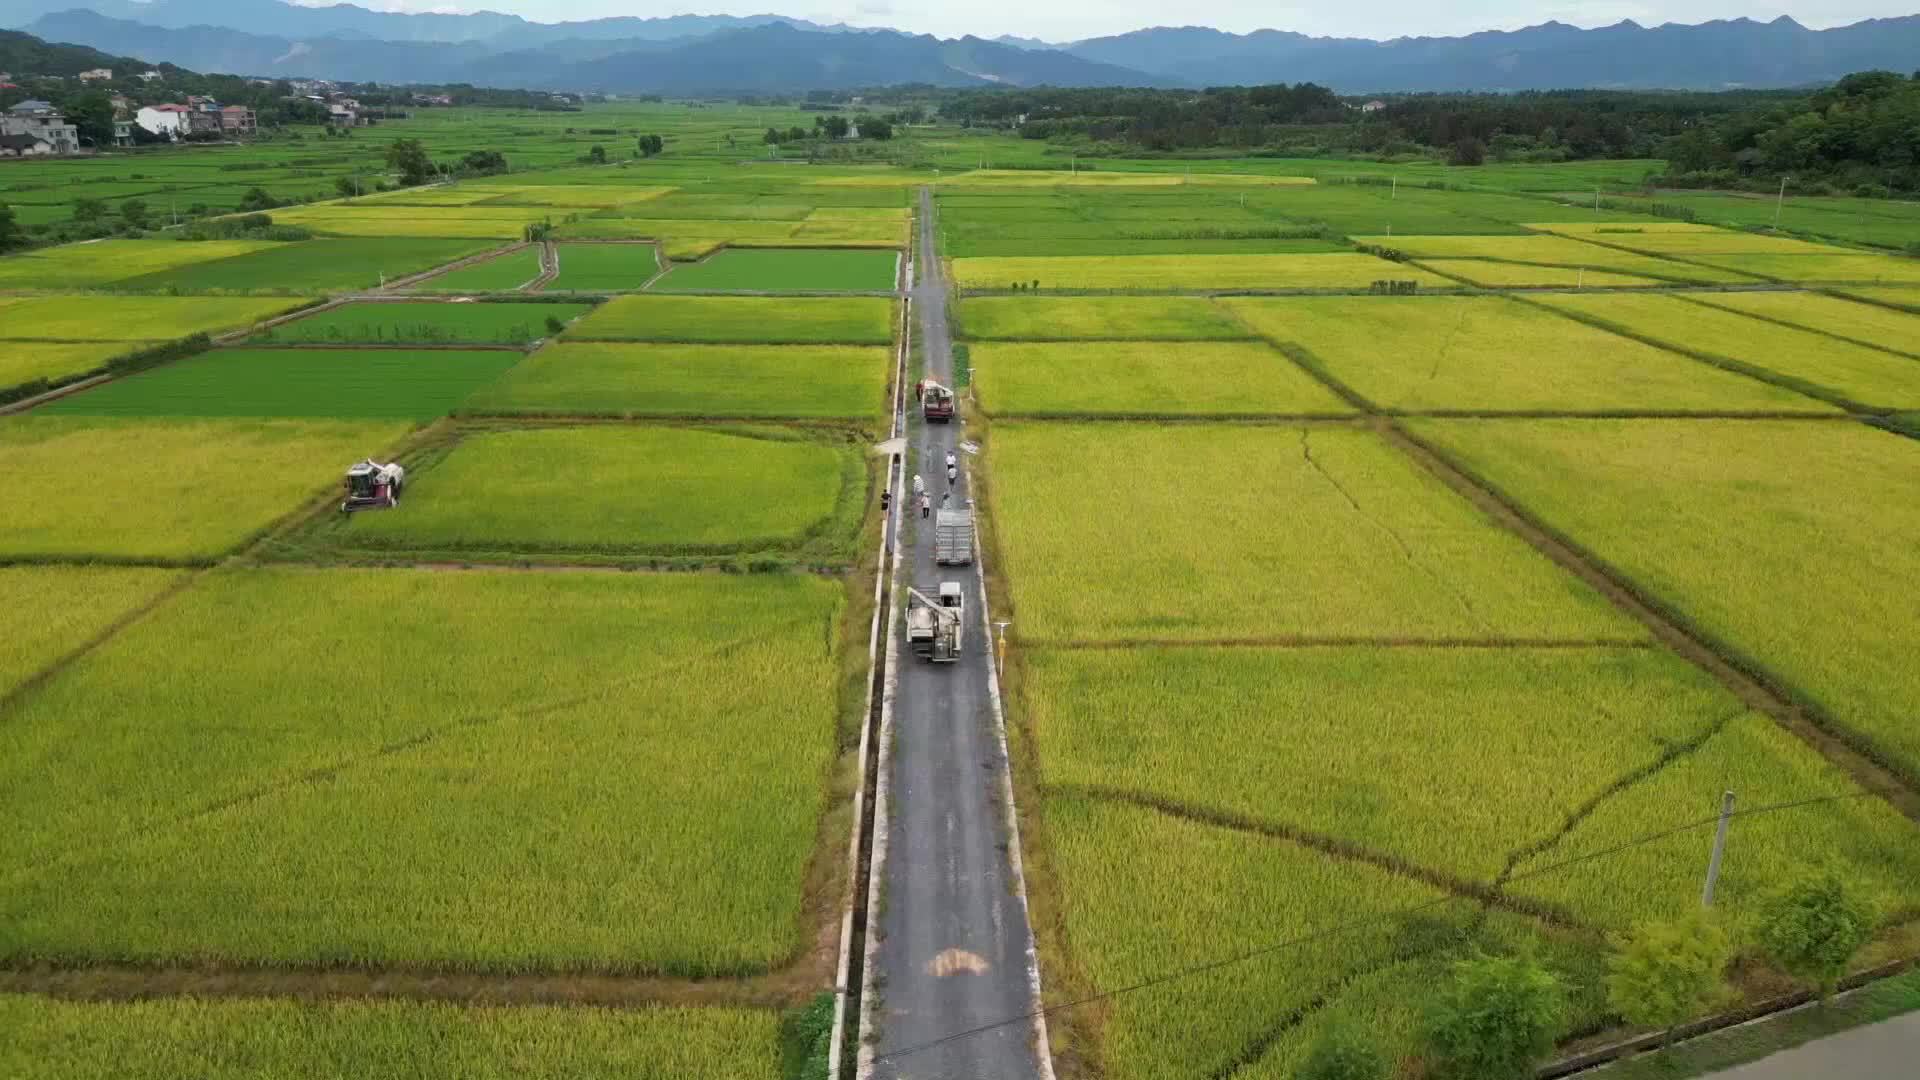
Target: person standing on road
926 505
953 475
918 487
886 499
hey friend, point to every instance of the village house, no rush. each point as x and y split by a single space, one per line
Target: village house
168 120
342 117
122 131
39 120
237 120
122 104
1373 106
13 146
97 75
147 76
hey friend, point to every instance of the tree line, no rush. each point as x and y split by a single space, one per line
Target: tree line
1859 136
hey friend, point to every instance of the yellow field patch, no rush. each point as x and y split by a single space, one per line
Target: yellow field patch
1341 270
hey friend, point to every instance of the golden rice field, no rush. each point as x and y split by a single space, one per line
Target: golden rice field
1774 538
1096 318
287 1039
102 262
485 775
1819 269
134 318
48 612
1146 378
1260 533
1868 324
26 361
1488 274
1825 365
1493 354
168 490
1166 273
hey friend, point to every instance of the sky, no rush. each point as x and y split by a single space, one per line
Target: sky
1067 20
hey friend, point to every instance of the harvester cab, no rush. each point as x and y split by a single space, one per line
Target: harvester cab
372 485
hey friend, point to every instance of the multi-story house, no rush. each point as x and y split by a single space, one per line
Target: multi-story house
41 121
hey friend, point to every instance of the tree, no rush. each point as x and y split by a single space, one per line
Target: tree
91 111
1668 972
347 186
256 199
88 208
408 158
1343 1051
875 128
1813 927
11 235
1495 1019
134 213
835 126
1468 151
597 155
651 145
771 138
484 162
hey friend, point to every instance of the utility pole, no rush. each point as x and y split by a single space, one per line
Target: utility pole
1719 849
1393 192
1596 198
1779 202
1000 648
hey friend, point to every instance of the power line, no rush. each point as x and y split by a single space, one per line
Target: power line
1342 928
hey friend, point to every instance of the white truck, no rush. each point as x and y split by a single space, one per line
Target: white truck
953 538
935 627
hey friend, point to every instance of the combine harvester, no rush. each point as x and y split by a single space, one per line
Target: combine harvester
374 486
936 401
935 627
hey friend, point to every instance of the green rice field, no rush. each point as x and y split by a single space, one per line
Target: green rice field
345 383
717 381
667 489
418 323
604 267
785 270
801 320
503 273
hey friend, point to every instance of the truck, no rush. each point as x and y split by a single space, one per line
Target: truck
936 401
935 627
953 538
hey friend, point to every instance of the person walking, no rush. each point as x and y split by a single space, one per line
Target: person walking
886 499
926 506
918 487
953 475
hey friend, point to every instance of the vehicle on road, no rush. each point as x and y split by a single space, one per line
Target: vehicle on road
953 538
935 628
936 401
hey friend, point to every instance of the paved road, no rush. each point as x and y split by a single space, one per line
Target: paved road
1889 1050
955 945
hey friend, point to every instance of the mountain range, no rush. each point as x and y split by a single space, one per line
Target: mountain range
714 54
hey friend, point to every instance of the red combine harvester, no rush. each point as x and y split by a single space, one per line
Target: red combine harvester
936 401
372 485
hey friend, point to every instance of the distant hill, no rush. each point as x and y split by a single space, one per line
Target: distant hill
692 54
771 58
25 54
1714 55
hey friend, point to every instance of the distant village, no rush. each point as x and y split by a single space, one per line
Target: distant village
35 128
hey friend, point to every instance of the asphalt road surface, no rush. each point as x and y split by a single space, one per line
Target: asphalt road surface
1889 1050
954 943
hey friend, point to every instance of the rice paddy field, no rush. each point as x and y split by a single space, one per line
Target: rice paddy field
785 270
521 730
1384 665
1376 618
415 323
396 383
605 267
692 381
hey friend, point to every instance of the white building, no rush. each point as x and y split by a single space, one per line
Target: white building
168 120
97 75
41 121
24 146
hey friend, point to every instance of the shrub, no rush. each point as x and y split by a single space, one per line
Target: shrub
1497 1017
1668 972
1814 926
1343 1051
